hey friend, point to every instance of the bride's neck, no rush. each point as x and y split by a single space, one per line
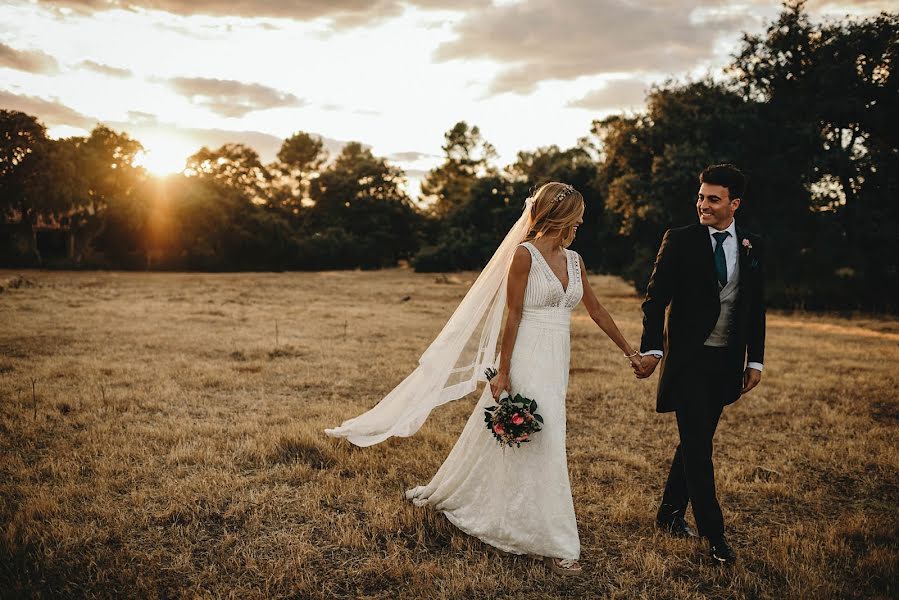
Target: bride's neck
550 246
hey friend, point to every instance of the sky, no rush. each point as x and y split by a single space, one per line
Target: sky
393 74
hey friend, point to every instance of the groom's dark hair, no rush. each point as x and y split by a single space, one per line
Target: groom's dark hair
726 175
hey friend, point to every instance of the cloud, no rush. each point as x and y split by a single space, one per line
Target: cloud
266 145
49 112
331 107
618 93
540 40
145 125
343 13
105 69
142 125
31 61
231 98
138 117
411 156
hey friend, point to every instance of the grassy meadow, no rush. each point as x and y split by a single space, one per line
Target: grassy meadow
161 436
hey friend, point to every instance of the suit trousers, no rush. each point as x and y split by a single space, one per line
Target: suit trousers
691 478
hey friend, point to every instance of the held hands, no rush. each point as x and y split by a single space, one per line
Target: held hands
646 366
643 365
634 360
751 378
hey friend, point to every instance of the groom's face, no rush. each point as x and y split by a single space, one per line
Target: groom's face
715 207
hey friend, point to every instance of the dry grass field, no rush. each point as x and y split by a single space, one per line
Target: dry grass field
161 436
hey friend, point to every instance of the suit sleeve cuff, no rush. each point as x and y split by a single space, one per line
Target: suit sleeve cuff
754 365
656 353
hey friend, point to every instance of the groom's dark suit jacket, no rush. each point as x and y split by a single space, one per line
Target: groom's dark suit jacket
685 282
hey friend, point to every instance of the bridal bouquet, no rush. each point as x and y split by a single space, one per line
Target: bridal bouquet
512 420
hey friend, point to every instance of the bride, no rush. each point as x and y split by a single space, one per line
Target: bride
515 499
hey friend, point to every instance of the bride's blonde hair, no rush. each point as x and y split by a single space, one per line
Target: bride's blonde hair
556 207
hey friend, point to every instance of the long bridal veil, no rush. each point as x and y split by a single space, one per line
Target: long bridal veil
454 362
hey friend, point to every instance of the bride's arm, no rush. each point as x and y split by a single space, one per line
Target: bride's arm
601 317
518 281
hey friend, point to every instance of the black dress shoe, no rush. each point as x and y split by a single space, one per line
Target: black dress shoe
723 553
677 527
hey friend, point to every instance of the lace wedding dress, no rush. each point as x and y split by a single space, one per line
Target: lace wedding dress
519 499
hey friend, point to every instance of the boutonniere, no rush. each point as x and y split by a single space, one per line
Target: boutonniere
747 246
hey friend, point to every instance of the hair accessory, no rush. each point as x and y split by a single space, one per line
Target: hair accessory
568 189
529 202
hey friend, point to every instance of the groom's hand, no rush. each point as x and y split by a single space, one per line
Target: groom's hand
751 378
648 364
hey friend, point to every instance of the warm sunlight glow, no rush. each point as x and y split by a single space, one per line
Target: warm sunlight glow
164 155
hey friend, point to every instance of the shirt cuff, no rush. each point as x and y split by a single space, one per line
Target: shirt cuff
754 365
656 353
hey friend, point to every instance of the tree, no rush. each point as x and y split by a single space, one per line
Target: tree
577 166
75 181
234 166
467 157
105 185
303 153
35 181
362 195
829 91
300 159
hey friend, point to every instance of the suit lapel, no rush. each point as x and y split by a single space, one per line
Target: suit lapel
707 265
747 280
742 255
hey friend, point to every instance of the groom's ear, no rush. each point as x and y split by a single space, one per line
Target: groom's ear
735 202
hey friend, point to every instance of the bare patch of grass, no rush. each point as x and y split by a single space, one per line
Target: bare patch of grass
304 449
286 352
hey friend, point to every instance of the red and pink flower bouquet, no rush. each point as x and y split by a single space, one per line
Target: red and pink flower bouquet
512 420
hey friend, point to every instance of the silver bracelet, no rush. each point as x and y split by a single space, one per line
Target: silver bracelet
629 356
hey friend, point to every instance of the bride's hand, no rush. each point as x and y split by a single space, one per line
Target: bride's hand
636 362
499 383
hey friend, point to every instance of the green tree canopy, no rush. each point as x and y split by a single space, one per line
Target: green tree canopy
235 166
467 156
34 177
300 159
362 196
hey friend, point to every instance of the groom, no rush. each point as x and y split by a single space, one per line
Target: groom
709 277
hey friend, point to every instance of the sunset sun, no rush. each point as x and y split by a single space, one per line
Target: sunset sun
164 155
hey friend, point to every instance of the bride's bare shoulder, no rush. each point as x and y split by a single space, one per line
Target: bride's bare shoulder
522 259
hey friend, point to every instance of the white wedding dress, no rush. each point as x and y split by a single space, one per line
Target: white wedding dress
519 499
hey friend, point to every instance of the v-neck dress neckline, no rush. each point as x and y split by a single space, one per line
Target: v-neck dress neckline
556 277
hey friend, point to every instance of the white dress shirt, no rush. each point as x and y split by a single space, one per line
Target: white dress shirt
730 247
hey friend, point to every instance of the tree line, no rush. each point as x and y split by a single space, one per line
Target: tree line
807 110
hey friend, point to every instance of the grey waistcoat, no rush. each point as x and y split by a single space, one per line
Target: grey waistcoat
728 298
